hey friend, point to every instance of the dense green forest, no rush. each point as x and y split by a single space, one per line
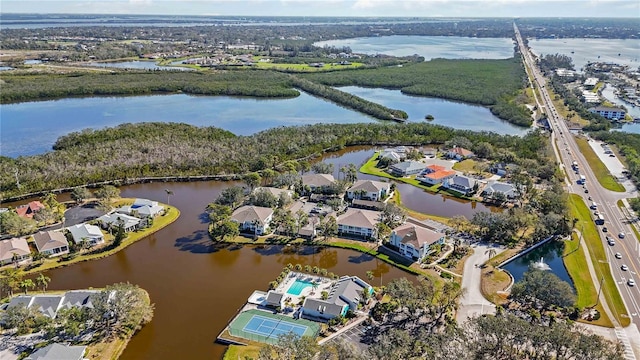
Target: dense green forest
493 83
169 149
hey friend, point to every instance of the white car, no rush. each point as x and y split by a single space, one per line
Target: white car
621 235
624 267
618 256
631 282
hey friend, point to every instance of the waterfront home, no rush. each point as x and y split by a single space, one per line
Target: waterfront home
49 305
590 83
318 182
112 221
369 190
90 233
254 219
459 153
391 156
461 184
430 152
275 191
415 242
52 243
407 168
497 187
610 113
344 295
359 223
58 352
142 208
14 250
28 210
435 174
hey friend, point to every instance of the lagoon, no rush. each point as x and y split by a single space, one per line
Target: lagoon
550 253
429 47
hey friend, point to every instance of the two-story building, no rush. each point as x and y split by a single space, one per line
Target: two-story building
318 183
435 174
253 219
369 190
461 184
359 223
459 153
610 113
414 242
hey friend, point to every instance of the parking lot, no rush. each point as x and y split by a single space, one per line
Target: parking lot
354 336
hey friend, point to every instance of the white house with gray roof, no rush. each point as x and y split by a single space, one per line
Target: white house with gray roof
461 184
495 187
277 192
255 219
369 190
318 182
415 242
407 168
52 243
129 223
58 352
14 249
90 233
344 295
49 305
142 208
358 222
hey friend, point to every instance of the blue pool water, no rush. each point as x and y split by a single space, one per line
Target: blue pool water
298 286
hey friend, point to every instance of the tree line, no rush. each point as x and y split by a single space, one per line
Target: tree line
131 151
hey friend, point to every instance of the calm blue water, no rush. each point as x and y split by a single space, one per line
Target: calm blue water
431 47
297 287
550 252
447 113
582 51
145 65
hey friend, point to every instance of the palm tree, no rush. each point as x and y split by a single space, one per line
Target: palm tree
324 272
43 281
169 193
314 287
26 284
315 270
370 275
298 267
289 266
491 252
307 268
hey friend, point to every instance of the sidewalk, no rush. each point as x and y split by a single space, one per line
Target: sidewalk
473 303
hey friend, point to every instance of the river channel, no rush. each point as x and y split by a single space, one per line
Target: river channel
196 287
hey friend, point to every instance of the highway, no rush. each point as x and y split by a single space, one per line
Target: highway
568 152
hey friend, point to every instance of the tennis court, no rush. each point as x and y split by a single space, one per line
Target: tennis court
265 327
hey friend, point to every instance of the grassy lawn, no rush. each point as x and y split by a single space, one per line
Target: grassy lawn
575 262
602 173
235 352
305 67
158 223
494 280
592 239
467 166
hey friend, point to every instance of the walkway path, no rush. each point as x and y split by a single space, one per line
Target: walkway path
473 302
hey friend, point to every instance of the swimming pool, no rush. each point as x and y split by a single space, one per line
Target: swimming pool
297 287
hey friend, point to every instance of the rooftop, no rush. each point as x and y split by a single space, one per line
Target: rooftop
359 218
416 235
249 213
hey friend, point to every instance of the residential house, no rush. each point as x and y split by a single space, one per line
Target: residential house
28 210
276 191
90 233
415 242
14 250
430 152
58 352
461 184
78 298
142 208
392 156
407 168
495 187
49 305
254 219
318 182
344 295
52 243
499 169
459 153
369 190
590 83
129 223
610 113
358 222
435 174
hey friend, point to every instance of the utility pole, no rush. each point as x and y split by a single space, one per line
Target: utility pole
599 291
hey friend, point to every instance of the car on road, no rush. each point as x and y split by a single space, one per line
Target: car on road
631 282
586 191
590 198
624 267
604 229
612 155
621 235
611 242
618 256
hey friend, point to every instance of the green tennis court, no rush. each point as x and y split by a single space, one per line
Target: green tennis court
265 327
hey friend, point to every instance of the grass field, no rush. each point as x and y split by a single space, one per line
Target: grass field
580 211
600 170
306 67
235 352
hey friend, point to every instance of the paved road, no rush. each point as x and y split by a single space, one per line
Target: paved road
628 247
472 302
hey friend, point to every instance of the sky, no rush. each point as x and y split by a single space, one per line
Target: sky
380 8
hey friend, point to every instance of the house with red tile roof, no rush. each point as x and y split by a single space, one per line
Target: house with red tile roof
459 153
28 210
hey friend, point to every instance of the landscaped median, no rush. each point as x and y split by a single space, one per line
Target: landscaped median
599 169
591 237
171 215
